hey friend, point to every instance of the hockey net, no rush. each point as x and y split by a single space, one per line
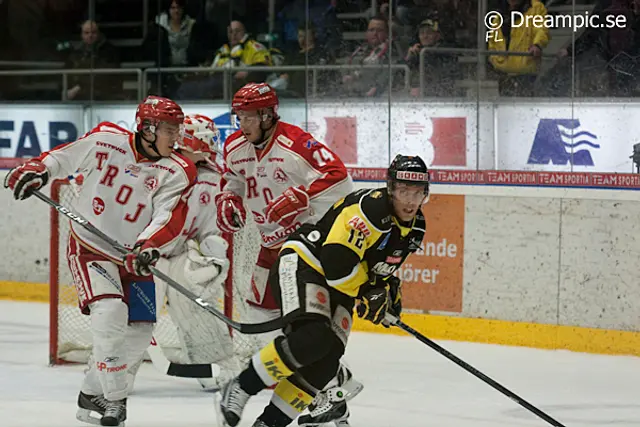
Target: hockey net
205 340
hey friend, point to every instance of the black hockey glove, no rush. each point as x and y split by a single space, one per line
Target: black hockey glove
374 303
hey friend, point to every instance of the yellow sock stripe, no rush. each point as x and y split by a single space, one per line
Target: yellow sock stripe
269 365
290 399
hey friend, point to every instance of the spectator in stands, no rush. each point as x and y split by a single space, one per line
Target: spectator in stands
320 14
242 51
94 52
517 74
309 53
605 58
440 69
378 50
179 31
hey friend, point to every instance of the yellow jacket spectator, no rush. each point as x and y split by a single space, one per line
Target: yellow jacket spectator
247 52
521 35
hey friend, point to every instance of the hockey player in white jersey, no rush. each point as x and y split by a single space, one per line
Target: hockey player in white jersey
284 177
133 190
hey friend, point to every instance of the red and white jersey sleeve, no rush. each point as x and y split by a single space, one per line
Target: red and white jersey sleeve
231 179
201 213
122 194
292 158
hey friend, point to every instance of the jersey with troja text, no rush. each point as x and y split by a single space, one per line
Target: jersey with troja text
124 195
358 241
291 158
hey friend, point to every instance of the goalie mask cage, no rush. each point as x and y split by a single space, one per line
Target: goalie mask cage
208 339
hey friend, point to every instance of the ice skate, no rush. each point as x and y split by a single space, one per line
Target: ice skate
326 407
87 404
115 413
232 403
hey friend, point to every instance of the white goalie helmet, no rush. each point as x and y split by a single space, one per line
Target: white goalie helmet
200 135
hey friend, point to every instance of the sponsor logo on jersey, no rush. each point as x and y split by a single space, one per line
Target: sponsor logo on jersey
397 252
205 198
383 269
260 172
360 225
376 194
384 242
311 143
132 170
98 205
393 259
275 159
110 146
285 141
245 160
279 176
279 234
163 167
150 183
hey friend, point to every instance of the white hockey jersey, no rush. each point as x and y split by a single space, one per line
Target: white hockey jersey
291 158
124 195
201 211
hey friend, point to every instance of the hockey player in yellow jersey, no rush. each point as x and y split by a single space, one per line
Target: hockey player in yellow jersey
323 271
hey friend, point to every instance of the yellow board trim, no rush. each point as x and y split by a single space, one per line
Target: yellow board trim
20 291
574 338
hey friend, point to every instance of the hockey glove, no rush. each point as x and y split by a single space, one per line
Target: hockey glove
143 255
285 209
231 213
374 303
23 179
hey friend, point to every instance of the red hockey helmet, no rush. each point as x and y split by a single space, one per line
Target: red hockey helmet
255 96
155 109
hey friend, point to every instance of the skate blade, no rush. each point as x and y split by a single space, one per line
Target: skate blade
219 417
84 415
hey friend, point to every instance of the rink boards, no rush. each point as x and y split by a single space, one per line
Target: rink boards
516 258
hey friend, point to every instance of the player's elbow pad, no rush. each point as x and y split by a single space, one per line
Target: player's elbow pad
338 261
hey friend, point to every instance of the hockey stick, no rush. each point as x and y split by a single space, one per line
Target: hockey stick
245 328
511 395
165 366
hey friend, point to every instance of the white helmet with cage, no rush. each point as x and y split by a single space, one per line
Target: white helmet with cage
200 134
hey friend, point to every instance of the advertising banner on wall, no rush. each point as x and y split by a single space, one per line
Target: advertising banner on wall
567 137
432 277
26 131
362 134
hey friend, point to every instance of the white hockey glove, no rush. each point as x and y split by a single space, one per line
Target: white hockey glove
207 262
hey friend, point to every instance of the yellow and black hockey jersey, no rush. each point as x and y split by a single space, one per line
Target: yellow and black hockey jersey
357 241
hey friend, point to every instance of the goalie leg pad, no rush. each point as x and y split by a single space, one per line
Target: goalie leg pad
109 319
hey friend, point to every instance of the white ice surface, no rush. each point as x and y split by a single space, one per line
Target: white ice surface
406 385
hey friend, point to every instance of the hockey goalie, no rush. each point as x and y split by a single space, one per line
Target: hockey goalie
200 264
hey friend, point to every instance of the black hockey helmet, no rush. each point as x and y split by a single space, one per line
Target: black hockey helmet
410 170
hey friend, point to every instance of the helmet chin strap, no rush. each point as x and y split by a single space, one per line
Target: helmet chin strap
263 138
144 150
